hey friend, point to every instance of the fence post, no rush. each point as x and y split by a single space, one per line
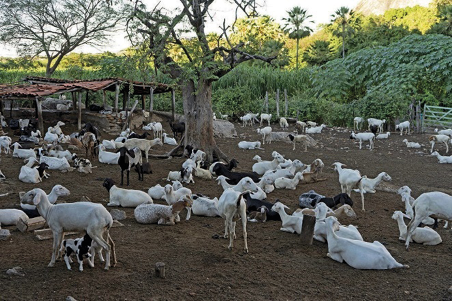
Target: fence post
151 102
286 103
418 117
173 97
277 102
266 102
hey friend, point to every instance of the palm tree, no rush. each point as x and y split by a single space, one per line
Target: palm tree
343 17
294 25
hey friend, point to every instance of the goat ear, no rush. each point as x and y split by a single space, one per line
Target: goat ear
37 199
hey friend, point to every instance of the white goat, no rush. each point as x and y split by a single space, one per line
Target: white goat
266 134
267 117
283 123
172 196
22 153
125 197
109 144
80 216
143 144
201 172
357 122
290 223
437 204
10 217
377 122
311 123
403 126
320 231
315 129
344 210
5 143
204 206
246 119
349 178
57 128
442 159
56 163
249 145
289 183
368 185
261 167
30 174
383 136
439 138
149 213
405 193
300 125
425 235
362 137
169 140
358 254
231 205
57 191
107 157
157 192
444 132
411 144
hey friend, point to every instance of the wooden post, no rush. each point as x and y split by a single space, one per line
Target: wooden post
160 270
124 99
86 100
74 100
126 124
277 102
418 117
266 102
116 97
79 119
286 103
307 229
39 109
143 102
104 99
173 96
151 103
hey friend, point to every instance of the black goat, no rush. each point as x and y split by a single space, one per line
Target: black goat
231 165
135 135
374 129
340 199
255 204
177 127
88 127
95 108
127 159
143 168
234 177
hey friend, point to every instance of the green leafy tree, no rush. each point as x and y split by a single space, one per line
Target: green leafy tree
295 26
55 28
203 64
318 53
343 17
444 26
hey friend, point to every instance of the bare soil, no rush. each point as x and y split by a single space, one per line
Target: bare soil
278 266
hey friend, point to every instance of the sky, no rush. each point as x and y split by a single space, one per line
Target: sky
321 11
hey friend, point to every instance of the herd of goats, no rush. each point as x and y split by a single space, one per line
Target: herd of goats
243 198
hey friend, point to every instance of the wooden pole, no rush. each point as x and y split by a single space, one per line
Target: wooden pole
277 102
104 99
307 229
266 102
79 119
39 109
151 102
160 270
116 97
286 103
74 100
143 102
124 99
126 124
86 100
173 96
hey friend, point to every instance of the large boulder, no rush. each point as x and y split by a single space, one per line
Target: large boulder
224 129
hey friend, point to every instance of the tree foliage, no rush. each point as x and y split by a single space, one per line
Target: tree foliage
55 28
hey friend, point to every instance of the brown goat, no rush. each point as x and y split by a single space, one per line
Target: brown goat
89 142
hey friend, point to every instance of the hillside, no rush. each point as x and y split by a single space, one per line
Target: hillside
368 7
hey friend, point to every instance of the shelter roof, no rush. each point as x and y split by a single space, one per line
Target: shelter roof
42 86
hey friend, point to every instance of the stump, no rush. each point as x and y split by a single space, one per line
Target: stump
307 229
31 224
160 270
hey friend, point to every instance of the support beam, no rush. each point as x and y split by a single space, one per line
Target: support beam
39 110
143 102
116 97
79 119
173 97
151 103
126 124
104 99
74 100
277 102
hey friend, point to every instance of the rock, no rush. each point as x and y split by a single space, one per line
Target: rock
70 298
15 271
450 290
4 234
224 129
118 215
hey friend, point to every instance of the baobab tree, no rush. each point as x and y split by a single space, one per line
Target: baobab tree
205 61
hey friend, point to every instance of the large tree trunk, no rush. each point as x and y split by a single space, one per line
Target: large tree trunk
199 118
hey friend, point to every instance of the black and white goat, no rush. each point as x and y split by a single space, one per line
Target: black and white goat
80 247
129 158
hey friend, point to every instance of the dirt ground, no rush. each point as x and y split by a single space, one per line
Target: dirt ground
278 266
